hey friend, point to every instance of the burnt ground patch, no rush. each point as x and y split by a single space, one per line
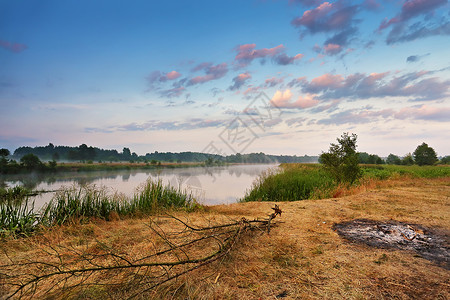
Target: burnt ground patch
431 244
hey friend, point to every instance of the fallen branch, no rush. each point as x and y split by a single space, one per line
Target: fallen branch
70 268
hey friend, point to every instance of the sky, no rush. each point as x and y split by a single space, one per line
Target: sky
222 77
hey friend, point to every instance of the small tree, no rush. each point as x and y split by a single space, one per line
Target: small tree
341 161
31 161
425 155
408 160
3 161
393 160
445 160
4 152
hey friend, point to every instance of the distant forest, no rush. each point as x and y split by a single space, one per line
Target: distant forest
89 153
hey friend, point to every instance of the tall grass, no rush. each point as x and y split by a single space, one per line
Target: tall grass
305 181
75 203
17 218
15 194
91 201
290 182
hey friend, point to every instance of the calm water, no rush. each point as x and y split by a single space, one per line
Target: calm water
211 185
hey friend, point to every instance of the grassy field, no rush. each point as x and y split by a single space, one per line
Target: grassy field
293 182
301 258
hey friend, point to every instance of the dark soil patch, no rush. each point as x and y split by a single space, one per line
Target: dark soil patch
431 244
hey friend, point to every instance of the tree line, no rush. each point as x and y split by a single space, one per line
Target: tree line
89 153
423 155
342 161
33 158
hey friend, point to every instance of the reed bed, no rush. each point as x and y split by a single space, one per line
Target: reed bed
17 218
15 194
91 201
291 182
83 202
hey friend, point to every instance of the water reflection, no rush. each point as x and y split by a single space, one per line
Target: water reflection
210 185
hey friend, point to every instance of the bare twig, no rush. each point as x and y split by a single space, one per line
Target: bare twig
68 268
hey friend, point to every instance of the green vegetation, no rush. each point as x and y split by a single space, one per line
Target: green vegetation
341 161
87 153
17 215
77 203
366 158
28 163
17 218
294 182
415 171
291 182
15 194
425 155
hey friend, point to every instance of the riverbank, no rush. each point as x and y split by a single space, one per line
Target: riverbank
302 257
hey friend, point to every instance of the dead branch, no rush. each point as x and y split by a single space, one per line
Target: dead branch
182 251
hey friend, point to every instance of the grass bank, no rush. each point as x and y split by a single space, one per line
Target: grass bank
301 258
85 202
291 182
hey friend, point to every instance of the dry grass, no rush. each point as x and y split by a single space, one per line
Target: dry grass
302 258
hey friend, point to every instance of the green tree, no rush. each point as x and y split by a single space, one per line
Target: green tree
31 161
3 161
445 160
126 153
425 155
408 160
4 152
393 160
341 161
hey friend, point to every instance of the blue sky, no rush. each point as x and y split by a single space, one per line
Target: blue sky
280 77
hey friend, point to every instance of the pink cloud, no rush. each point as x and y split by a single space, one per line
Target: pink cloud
379 85
202 66
336 16
306 102
172 75
424 112
212 73
327 81
239 81
310 17
13 47
247 53
352 116
411 9
283 59
332 49
283 100
158 76
252 90
271 82
281 97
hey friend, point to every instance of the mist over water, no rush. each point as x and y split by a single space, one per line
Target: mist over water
210 185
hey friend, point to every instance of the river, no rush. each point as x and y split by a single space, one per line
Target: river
210 185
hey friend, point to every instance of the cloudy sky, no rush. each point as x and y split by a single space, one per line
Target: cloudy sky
274 76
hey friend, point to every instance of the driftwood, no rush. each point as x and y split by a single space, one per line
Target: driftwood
67 268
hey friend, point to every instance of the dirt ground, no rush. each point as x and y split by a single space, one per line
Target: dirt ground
303 257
